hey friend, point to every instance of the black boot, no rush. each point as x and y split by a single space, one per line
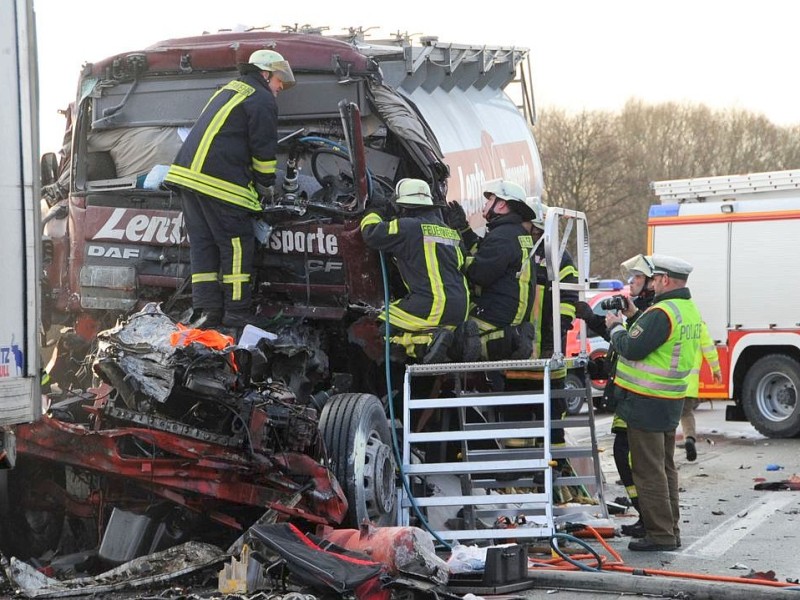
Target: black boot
439 347
635 531
691 449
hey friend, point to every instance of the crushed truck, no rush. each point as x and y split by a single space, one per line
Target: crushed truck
740 234
363 115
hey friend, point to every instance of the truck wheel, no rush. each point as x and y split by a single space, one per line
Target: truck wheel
574 402
357 436
769 396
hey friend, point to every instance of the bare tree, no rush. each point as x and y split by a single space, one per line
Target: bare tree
602 163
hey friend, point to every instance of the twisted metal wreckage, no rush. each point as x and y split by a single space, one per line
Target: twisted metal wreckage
185 431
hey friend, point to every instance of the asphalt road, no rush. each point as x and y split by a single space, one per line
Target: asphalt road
727 528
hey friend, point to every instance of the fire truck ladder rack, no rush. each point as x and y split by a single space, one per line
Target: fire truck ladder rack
501 454
773 184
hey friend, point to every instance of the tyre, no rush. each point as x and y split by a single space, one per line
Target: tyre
574 402
356 433
769 396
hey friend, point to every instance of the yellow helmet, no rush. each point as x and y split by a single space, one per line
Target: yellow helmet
269 60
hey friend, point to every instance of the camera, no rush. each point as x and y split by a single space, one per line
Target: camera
614 303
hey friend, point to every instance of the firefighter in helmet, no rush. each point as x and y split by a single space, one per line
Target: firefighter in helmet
430 260
223 171
500 272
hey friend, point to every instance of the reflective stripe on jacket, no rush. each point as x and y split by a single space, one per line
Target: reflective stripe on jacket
708 351
665 372
232 145
429 257
501 270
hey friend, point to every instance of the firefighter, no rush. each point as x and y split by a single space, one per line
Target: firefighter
430 259
541 317
708 352
500 271
657 356
638 272
224 170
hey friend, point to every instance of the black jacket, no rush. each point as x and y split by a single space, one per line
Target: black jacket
429 257
501 272
232 145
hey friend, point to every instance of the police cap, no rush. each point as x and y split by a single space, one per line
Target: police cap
675 267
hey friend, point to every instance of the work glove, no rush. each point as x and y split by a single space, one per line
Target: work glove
583 311
382 206
455 217
266 194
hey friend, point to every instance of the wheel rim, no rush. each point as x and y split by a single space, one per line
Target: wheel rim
573 402
378 479
776 397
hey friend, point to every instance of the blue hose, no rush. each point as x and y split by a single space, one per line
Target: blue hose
395 443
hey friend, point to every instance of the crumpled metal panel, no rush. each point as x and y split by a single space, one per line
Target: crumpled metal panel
140 572
142 350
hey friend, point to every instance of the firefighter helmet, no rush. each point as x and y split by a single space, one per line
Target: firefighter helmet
269 60
540 213
413 192
636 265
512 193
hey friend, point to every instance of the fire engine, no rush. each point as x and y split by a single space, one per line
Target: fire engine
740 234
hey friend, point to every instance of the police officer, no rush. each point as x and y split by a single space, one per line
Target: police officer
500 271
656 358
223 168
638 272
430 259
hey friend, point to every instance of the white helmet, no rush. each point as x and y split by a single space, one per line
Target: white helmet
511 192
539 212
636 265
269 60
413 192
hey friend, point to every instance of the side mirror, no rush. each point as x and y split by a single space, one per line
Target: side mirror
49 166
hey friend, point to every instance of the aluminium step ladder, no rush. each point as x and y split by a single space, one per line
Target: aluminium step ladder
490 481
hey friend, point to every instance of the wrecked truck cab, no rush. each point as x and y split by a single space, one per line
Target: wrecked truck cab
361 117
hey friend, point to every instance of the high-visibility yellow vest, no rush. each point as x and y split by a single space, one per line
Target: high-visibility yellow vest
665 372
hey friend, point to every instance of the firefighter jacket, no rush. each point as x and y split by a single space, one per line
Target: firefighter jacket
501 270
232 145
708 352
656 359
430 260
542 314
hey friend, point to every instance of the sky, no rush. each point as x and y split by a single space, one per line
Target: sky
585 54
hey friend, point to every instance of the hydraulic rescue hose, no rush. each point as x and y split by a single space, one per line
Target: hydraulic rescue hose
389 399
618 565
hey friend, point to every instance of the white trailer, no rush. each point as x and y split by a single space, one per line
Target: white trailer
20 398
742 235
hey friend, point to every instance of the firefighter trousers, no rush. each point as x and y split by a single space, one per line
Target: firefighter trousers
222 245
656 480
